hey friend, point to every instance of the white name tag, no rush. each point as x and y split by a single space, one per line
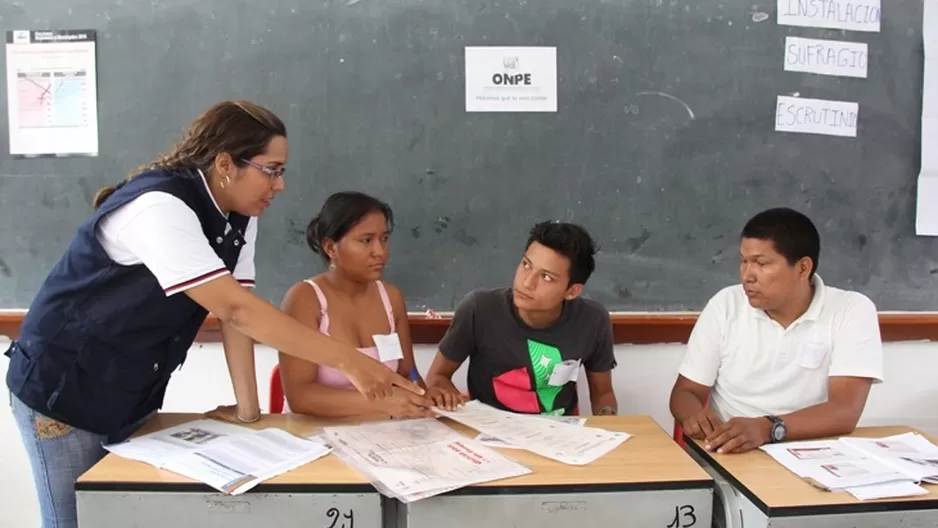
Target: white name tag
389 347
564 372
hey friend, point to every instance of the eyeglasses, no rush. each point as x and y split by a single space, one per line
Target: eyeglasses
272 173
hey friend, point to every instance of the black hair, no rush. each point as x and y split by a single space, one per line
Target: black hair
571 241
341 212
792 233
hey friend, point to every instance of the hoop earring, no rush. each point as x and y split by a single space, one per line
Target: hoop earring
332 265
224 183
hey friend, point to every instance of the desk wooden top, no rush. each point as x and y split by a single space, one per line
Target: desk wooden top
650 460
779 492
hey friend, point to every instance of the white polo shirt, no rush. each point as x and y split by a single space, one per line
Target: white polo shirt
756 367
160 231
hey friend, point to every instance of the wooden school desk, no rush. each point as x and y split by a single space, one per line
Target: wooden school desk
648 481
757 492
322 494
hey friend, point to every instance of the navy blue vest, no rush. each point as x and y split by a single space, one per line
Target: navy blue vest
100 341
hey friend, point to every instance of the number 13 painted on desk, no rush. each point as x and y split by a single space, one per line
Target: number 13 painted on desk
338 518
684 517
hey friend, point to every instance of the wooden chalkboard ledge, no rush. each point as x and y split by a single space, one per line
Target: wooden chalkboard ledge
628 328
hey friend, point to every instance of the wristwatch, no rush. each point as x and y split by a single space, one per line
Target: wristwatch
779 431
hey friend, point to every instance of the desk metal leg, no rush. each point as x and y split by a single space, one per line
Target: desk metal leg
110 509
639 509
727 512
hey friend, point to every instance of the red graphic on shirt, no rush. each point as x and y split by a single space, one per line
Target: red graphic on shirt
513 390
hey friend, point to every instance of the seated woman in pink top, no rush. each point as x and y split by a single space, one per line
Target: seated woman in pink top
350 303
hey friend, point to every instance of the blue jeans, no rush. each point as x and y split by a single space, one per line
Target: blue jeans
59 454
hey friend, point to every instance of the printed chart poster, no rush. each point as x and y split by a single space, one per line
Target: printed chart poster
926 212
511 79
52 93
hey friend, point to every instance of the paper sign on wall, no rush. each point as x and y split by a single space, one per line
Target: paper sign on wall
853 15
826 57
52 92
926 211
816 116
511 79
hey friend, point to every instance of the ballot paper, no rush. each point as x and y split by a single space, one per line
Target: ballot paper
867 468
415 459
910 453
566 443
832 464
491 441
229 458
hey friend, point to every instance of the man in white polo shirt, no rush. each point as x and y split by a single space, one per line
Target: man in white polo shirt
780 356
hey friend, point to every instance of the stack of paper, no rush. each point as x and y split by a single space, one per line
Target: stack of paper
414 459
552 439
229 458
867 468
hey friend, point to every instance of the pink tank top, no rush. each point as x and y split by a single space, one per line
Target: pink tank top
332 377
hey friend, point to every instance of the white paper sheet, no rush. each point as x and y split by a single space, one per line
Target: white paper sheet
491 441
229 458
910 453
826 57
511 79
926 210
414 459
565 443
154 448
832 464
887 491
854 15
52 92
239 463
816 116
847 464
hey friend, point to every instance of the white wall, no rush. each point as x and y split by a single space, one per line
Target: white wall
643 381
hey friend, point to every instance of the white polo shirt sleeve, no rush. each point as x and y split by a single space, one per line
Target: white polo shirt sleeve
857 344
244 271
161 232
703 356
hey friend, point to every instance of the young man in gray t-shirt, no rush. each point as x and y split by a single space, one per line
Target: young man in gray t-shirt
525 344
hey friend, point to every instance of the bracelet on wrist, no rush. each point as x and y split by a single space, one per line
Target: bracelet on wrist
242 420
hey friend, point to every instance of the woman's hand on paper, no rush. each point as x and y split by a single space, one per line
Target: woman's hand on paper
406 404
376 381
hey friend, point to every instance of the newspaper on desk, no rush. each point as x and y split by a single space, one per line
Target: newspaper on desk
566 443
229 458
415 459
867 468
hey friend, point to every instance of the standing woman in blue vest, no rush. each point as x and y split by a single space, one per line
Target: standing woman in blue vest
119 311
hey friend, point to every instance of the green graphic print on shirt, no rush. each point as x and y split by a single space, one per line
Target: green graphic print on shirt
543 360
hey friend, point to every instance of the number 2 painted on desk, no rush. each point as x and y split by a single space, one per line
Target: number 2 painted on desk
335 516
684 517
